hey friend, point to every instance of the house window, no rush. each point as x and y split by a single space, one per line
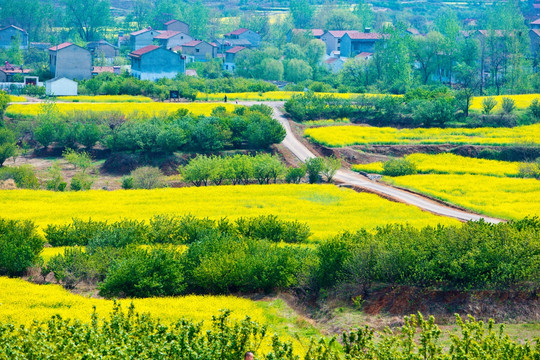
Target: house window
196 50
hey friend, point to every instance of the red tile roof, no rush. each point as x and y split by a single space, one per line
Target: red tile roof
536 22
144 50
235 49
12 26
364 36
173 21
167 34
61 46
102 69
192 43
191 72
331 60
536 31
364 55
142 31
340 33
15 69
413 31
238 32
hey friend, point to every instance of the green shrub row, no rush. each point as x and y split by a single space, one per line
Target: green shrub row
475 256
188 86
176 230
252 128
132 335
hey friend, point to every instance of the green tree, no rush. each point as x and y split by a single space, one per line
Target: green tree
272 69
330 167
88 16
425 50
298 70
314 168
263 131
302 13
7 145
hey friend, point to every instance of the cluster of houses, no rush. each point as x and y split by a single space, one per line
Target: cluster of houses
154 54
164 53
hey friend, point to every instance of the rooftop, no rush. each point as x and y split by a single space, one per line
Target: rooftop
139 32
61 46
12 26
237 32
167 34
235 49
356 35
192 43
144 50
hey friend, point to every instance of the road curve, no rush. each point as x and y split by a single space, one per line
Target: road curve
350 178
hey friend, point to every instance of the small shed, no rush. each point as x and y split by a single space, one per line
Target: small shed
61 86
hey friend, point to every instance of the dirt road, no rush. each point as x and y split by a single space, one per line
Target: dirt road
350 178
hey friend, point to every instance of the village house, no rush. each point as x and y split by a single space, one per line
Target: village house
335 64
227 44
70 61
142 38
230 58
60 86
316 33
332 39
253 38
12 33
198 50
177 25
102 49
154 62
9 70
170 39
96 70
534 36
353 43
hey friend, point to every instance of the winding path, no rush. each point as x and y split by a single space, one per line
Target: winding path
350 178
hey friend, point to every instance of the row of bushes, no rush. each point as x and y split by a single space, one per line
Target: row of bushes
188 86
129 334
176 230
224 257
472 256
411 111
245 127
263 168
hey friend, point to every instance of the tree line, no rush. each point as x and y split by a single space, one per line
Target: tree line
224 257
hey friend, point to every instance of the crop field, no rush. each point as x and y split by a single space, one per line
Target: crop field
507 198
327 209
156 108
338 136
15 98
106 99
521 101
40 302
451 164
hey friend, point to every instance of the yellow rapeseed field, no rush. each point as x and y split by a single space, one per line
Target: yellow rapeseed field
22 302
337 136
106 99
521 101
451 164
327 209
155 108
15 98
507 198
